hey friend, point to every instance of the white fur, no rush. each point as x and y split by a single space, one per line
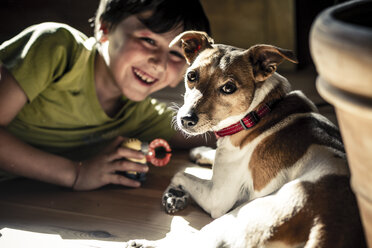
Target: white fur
268 86
203 155
191 97
215 198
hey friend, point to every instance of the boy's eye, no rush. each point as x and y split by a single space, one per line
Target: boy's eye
177 56
149 41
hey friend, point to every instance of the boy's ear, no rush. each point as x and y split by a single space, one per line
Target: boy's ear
104 32
192 43
266 58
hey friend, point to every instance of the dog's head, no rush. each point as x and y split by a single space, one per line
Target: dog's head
223 83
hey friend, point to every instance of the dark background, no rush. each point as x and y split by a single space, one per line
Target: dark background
15 15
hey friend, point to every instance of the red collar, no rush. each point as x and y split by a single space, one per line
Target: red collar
250 120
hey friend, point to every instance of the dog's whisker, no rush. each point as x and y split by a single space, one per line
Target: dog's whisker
207 136
174 124
174 106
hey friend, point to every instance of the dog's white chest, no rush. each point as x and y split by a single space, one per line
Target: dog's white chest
231 166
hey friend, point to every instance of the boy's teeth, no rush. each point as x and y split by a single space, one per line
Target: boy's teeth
143 76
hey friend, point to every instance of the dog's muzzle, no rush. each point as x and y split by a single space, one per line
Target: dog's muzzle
189 120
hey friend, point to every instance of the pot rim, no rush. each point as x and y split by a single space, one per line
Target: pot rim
328 23
344 100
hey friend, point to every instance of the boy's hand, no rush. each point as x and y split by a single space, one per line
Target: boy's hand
100 170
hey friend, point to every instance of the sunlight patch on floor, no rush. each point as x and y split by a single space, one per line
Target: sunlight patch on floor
15 238
203 173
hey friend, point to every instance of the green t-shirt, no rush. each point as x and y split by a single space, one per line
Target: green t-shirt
54 65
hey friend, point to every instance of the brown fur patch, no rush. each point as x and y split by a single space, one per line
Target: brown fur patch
333 205
291 104
296 230
285 147
266 58
272 154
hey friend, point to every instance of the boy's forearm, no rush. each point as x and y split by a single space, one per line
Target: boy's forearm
22 159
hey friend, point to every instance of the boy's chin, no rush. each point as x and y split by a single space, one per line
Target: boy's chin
134 96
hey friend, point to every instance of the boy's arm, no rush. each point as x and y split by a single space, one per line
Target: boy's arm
22 159
18 157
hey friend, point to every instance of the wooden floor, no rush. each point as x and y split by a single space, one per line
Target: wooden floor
32 212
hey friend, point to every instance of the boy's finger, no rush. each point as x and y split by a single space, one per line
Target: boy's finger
129 166
127 153
123 152
130 153
122 180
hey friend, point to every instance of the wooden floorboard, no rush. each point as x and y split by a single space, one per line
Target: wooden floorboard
112 213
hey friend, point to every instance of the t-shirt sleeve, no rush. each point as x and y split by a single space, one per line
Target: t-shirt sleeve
37 57
157 121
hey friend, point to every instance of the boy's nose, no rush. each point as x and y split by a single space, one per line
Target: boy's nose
159 61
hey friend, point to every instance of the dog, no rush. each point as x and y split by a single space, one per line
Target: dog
280 175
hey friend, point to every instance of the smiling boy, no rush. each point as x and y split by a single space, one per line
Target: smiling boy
67 100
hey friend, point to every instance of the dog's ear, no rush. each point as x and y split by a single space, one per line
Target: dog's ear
266 58
192 43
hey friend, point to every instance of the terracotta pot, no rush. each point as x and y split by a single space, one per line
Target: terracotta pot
341 47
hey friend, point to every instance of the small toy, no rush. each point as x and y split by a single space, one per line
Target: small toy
157 153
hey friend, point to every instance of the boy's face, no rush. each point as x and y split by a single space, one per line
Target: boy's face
141 61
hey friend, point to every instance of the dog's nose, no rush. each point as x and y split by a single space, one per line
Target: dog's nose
189 120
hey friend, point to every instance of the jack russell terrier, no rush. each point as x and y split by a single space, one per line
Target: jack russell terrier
280 176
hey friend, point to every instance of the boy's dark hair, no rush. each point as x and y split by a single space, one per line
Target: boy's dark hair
167 14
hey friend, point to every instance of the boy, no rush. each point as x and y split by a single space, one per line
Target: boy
66 98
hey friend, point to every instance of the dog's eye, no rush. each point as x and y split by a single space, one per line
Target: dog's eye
192 76
228 88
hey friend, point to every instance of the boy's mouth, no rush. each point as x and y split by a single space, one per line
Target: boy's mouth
144 77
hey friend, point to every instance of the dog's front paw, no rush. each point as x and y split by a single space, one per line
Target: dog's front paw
202 155
174 199
140 243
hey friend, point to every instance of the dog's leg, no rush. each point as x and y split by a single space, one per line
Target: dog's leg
176 198
250 225
212 195
203 155
142 243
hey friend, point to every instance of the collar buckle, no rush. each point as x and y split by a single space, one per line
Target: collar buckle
243 124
